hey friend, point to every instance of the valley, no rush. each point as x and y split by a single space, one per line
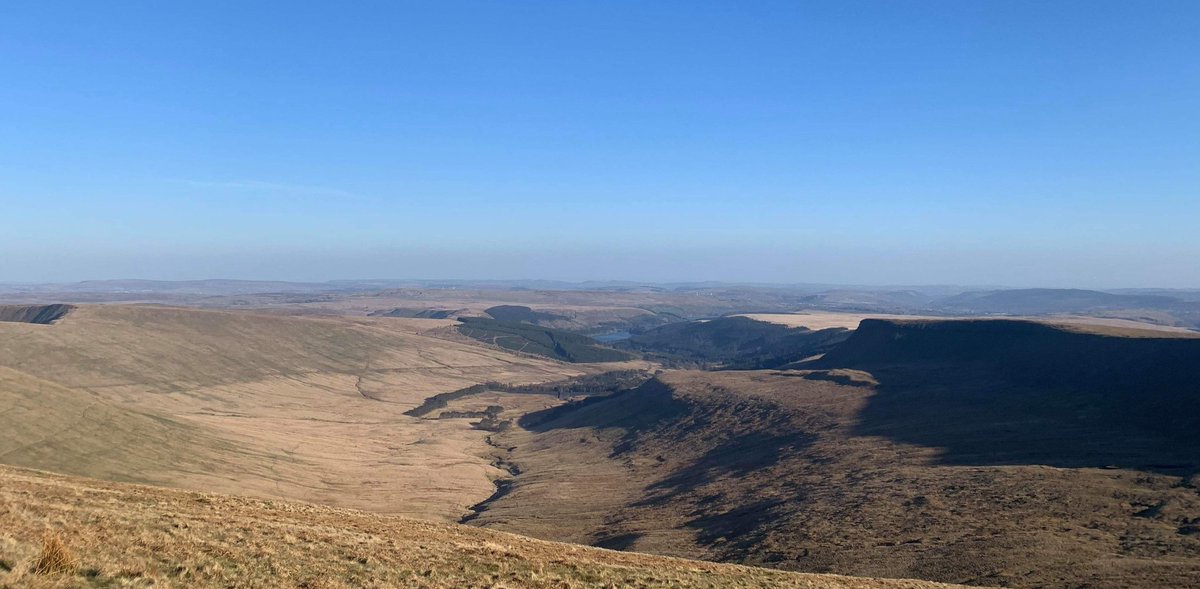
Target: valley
1026 452
308 408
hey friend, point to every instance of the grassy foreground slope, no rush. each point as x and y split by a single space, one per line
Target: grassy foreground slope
119 535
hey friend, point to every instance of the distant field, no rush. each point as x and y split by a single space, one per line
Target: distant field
822 319
116 535
826 319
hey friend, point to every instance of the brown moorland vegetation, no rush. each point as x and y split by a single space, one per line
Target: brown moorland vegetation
58 532
308 408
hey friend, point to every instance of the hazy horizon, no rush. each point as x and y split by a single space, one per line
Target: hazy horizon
1000 143
603 282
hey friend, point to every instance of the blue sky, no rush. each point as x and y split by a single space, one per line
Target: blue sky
890 142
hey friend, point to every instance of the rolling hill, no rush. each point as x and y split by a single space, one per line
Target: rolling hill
308 408
1162 307
1041 301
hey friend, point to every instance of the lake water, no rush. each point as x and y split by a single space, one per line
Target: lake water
609 338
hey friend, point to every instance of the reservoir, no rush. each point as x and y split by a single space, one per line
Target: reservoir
609 338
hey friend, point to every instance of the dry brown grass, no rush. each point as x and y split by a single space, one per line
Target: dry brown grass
307 408
54 559
135 536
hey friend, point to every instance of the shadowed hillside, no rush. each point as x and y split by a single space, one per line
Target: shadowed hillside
39 314
541 341
416 313
1012 392
521 314
735 342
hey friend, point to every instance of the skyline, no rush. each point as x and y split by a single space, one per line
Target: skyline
996 143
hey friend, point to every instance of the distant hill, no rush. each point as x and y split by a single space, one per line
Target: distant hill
869 300
1041 301
541 341
417 313
735 342
521 314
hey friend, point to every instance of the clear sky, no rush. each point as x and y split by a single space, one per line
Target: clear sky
1048 143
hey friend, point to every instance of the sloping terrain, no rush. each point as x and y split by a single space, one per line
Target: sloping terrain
308 408
541 341
47 425
36 314
989 452
828 319
982 452
521 313
130 536
417 313
1020 392
735 342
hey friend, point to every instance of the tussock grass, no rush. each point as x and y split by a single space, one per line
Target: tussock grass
55 558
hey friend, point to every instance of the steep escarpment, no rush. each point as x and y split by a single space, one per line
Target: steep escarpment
38 314
1079 355
801 470
1000 392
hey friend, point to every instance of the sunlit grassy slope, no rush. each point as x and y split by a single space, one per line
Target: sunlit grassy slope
308 408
